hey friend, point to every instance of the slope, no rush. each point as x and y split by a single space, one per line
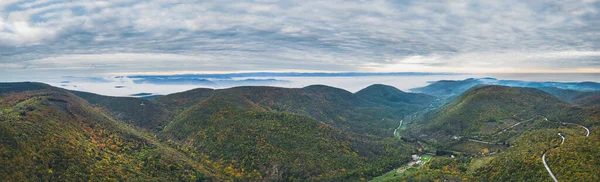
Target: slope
486 110
394 97
498 133
269 133
451 88
574 96
178 102
49 134
134 111
448 88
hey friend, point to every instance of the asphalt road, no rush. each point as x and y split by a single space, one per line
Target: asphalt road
563 141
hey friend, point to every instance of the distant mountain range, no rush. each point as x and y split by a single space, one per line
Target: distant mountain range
449 88
232 79
289 74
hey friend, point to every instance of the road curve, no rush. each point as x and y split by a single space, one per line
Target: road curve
546 164
563 141
548 168
563 138
587 134
587 131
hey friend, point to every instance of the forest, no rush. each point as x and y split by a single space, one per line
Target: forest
315 133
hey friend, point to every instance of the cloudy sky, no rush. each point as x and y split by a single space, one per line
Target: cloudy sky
94 37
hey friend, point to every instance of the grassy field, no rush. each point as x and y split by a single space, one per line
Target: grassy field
479 162
395 174
426 158
403 127
476 148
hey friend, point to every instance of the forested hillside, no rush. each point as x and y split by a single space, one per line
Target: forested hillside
245 133
316 132
499 133
320 133
486 109
49 134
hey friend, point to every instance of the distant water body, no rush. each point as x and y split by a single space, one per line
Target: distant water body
126 87
564 77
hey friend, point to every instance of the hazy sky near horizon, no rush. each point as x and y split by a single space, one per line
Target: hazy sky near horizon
94 37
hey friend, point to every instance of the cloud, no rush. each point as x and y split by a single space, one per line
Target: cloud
186 35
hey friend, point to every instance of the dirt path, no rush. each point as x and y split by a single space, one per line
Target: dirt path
484 142
517 124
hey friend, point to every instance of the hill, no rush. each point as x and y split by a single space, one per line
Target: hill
393 97
315 133
485 110
49 134
311 133
244 133
451 88
574 96
177 102
499 133
448 88
138 112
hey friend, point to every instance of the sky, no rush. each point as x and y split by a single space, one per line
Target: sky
122 37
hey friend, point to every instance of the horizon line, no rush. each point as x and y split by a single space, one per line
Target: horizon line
183 73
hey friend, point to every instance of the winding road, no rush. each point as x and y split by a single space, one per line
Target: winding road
515 125
546 164
479 141
563 138
510 127
548 168
587 134
561 143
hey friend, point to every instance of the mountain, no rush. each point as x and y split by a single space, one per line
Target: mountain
500 133
574 96
311 133
588 100
177 102
448 88
243 133
393 97
50 134
175 81
315 133
134 111
6 88
451 88
484 110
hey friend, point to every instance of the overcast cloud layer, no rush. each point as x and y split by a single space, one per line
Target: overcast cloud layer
64 37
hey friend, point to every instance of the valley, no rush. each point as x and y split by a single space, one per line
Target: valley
318 132
292 90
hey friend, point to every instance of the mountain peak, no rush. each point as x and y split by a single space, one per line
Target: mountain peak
392 96
381 88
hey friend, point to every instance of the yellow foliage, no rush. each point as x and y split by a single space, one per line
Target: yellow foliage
485 151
